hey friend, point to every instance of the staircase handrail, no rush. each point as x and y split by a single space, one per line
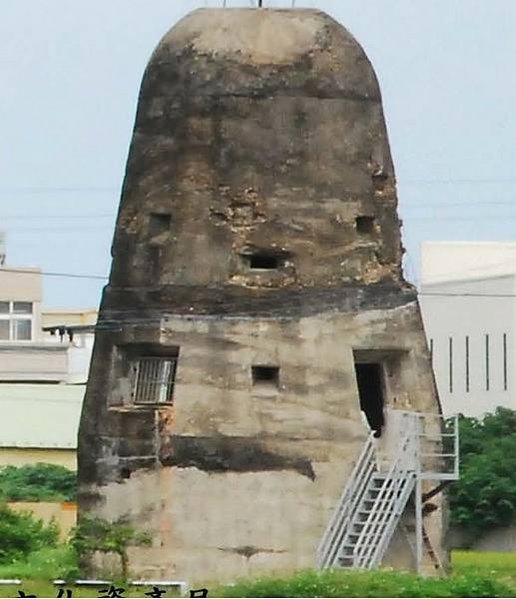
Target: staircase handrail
329 546
356 497
388 491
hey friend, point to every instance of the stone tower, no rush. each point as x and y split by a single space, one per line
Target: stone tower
256 301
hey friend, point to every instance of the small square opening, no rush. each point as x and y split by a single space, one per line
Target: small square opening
265 375
263 261
365 225
159 223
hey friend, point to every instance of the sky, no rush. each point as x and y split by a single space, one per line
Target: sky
70 72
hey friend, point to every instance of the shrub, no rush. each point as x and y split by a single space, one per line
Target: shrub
44 564
380 583
95 534
485 495
39 482
21 534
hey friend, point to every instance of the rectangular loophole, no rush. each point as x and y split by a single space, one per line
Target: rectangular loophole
263 261
365 224
159 223
154 380
265 375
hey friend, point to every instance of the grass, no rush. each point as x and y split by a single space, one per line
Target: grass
475 574
489 562
42 588
45 564
382 583
501 566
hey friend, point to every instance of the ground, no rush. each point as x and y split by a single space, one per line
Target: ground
475 574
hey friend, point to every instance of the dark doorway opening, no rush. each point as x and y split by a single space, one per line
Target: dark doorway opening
370 391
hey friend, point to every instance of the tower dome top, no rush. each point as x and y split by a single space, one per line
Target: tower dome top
272 39
259 164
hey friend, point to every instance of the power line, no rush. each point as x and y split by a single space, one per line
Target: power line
56 216
100 189
105 278
465 294
63 229
52 274
58 189
468 203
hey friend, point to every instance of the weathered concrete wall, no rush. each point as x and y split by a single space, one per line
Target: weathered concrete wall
240 479
247 142
259 134
501 539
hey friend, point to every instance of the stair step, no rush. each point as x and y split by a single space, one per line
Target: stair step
377 508
346 562
388 490
379 502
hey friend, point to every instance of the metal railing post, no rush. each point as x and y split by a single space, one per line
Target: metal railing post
419 497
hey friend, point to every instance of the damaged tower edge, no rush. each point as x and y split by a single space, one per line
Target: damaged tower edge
256 281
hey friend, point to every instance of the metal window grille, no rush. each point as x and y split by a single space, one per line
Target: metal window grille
154 383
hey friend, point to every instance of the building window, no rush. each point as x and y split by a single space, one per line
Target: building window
154 380
15 321
265 376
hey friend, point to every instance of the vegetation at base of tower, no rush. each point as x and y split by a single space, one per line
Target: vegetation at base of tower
476 574
22 534
37 482
380 583
47 564
484 498
96 534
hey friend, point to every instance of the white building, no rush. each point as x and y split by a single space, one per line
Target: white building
468 300
27 353
42 375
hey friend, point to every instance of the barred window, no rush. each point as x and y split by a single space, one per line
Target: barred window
154 380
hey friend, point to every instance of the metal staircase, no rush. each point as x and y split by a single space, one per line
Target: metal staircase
378 491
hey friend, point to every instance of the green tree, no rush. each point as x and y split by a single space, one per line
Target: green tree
96 534
485 496
37 482
21 534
